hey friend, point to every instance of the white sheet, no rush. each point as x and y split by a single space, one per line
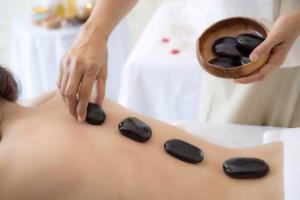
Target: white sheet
291 142
243 136
156 82
227 135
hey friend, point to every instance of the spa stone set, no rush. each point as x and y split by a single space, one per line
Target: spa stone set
234 52
135 129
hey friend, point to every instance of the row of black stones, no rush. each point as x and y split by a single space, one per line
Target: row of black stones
135 129
234 52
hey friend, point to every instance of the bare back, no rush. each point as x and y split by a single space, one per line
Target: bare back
46 154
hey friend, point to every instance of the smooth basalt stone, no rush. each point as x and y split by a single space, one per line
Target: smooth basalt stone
135 129
245 168
246 43
226 47
95 115
184 151
245 60
225 62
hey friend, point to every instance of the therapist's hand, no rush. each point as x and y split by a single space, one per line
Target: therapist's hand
84 66
279 42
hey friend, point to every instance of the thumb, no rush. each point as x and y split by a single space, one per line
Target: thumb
264 48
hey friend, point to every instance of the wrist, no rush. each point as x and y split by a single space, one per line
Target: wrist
95 33
294 18
297 19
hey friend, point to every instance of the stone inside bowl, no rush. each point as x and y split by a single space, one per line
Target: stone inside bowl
233 52
225 62
226 47
246 43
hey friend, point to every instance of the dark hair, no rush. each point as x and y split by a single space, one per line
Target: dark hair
8 86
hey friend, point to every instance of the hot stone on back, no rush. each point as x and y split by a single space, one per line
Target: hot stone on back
135 129
245 168
184 151
95 115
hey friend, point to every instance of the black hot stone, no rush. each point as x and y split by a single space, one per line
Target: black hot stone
95 115
225 62
245 60
246 43
184 151
135 129
245 168
226 47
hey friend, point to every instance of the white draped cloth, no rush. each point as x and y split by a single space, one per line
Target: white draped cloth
168 87
36 54
158 81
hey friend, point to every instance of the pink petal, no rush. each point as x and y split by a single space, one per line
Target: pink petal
165 40
175 51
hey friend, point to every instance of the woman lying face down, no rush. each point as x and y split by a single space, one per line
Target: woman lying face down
46 154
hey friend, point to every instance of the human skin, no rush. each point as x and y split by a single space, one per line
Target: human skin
278 44
46 154
85 63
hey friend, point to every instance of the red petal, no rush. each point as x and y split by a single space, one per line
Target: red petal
165 40
175 51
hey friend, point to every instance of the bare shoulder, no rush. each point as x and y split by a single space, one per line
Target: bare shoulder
39 100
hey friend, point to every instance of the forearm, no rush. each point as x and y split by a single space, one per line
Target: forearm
297 14
106 15
293 17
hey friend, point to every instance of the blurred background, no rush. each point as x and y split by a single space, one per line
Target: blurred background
151 52
12 9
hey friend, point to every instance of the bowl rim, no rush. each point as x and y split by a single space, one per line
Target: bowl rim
199 54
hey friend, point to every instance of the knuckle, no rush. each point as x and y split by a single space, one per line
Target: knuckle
83 95
69 93
91 72
65 61
78 62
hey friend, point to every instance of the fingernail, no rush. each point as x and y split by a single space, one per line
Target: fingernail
80 119
254 57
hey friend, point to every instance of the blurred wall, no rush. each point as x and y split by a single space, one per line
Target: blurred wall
140 16
9 9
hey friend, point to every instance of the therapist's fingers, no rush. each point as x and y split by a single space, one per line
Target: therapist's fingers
276 59
72 90
100 92
60 76
63 68
101 88
84 94
64 83
264 48
258 76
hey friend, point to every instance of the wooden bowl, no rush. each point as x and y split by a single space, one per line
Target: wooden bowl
231 27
